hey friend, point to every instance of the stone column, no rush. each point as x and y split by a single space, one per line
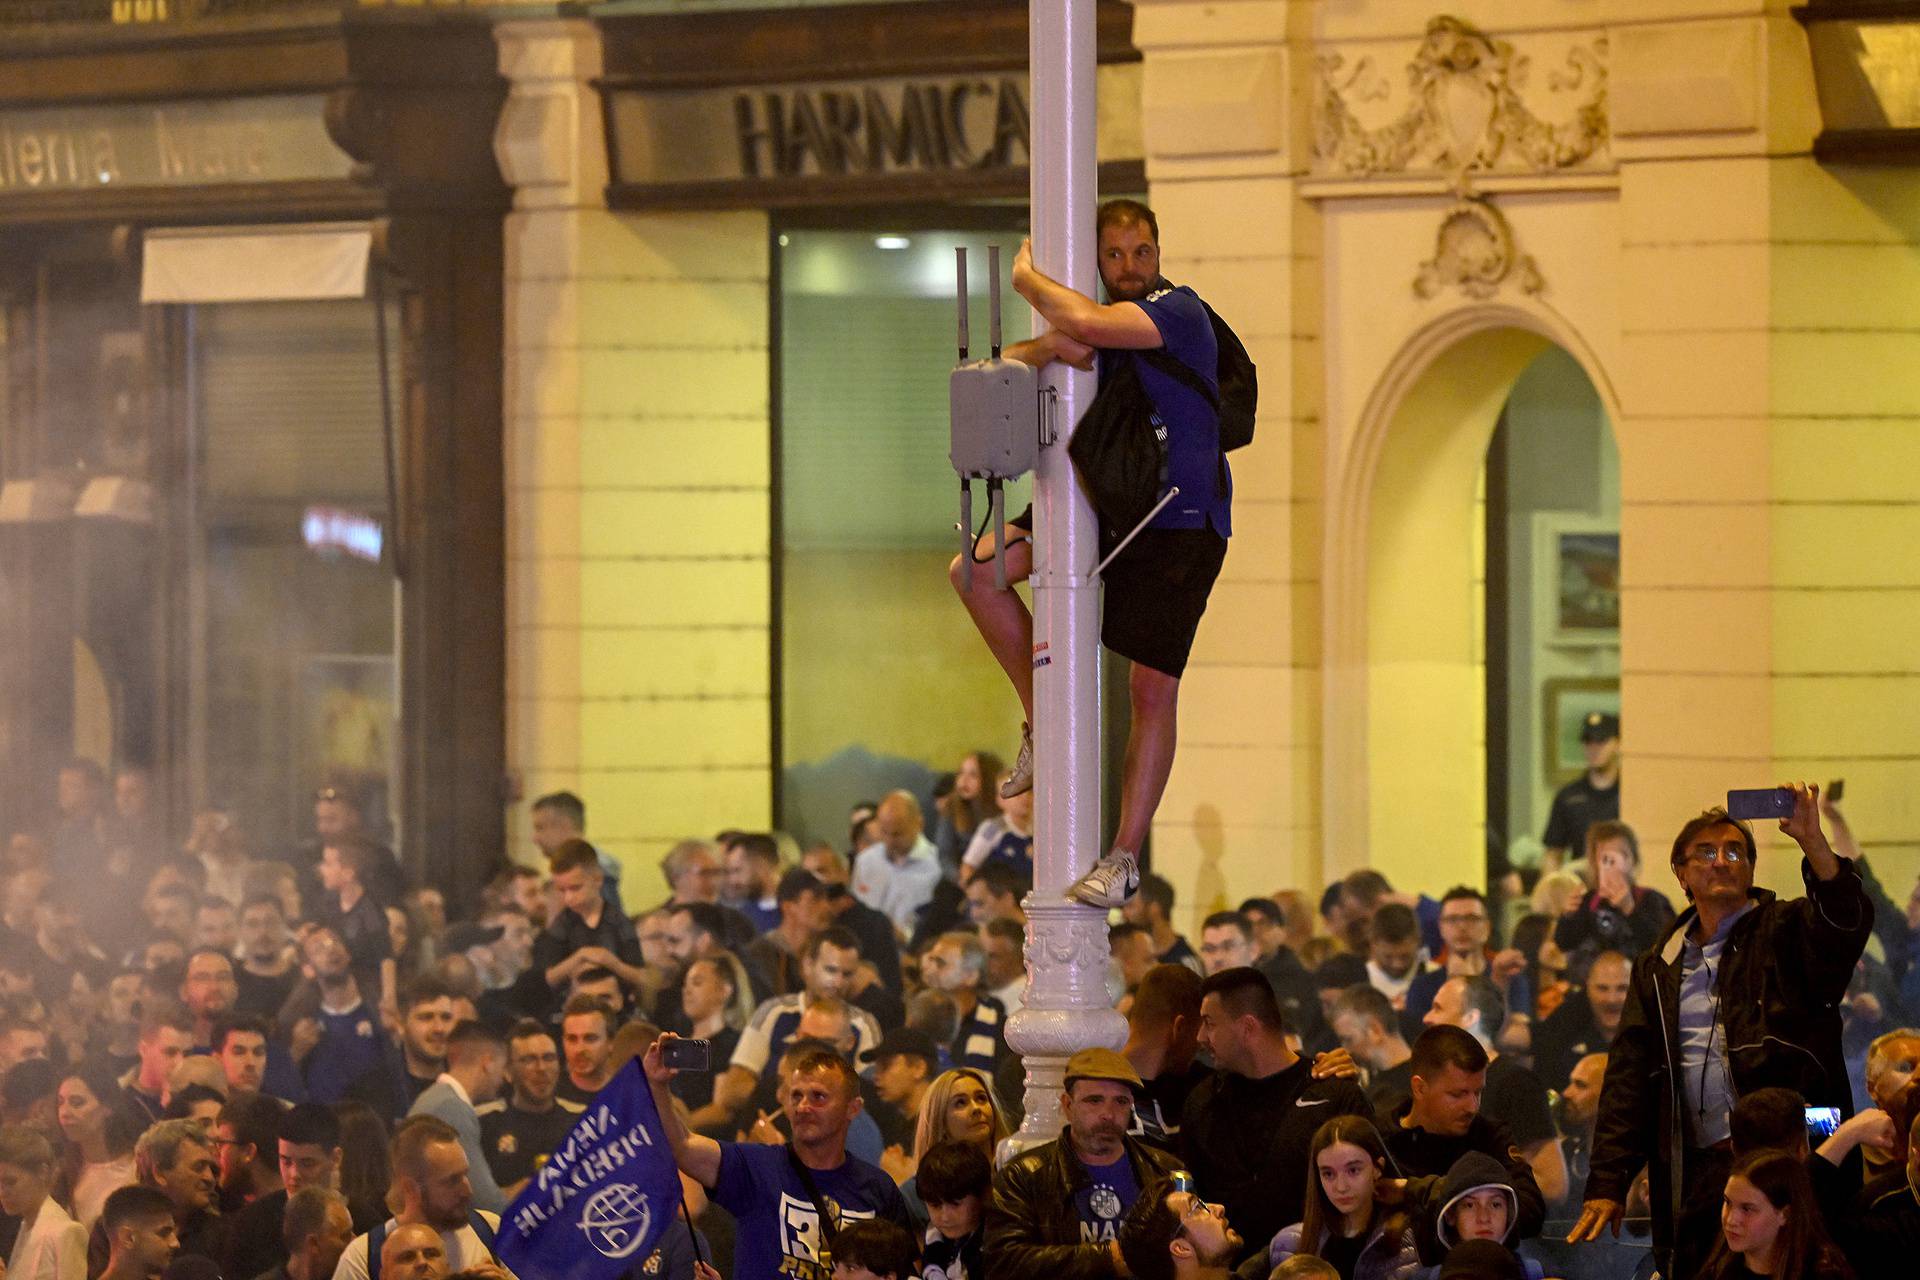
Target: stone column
638 481
1225 132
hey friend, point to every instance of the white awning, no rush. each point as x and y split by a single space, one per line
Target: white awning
293 262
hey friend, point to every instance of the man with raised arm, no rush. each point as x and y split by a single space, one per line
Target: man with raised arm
1743 993
1157 588
790 1199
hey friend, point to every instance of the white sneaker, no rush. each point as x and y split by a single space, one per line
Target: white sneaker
1109 882
1021 780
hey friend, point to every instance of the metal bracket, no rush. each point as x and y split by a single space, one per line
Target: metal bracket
1049 415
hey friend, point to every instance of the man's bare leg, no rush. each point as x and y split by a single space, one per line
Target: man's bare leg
1001 615
1149 760
1150 743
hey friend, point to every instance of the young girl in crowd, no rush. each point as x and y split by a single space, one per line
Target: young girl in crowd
1345 1225
963 809
1770 1225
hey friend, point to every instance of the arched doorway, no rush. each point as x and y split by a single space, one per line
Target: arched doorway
1407 714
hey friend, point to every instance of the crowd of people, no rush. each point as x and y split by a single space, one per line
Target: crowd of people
214 1064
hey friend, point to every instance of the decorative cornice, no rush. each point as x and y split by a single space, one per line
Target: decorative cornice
1466 113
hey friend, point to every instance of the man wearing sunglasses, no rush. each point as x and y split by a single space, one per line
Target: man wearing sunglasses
1742 993
1175 1235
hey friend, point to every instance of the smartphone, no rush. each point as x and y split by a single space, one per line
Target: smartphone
687 1055
1835 790
1766 802
1821 1122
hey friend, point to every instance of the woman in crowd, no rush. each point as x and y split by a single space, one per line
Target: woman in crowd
960 1106
365 1172
1005 838
99 1126
50 1244
710 998
1770 1225
1620 914
964 808
1345 1225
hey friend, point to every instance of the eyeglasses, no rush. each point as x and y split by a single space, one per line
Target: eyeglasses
1198 1208
1701 855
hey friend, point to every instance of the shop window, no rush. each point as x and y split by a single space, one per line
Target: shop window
883 681
294 631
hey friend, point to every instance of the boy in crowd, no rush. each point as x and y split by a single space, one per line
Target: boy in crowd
874 1249
954 1180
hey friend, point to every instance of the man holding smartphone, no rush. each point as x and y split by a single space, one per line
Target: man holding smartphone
1741 994
790 1200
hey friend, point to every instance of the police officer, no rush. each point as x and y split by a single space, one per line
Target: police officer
1592 797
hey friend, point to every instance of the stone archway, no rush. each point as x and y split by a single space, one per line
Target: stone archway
1404 693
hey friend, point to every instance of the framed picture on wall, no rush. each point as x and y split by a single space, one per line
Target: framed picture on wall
1576 579
1568 701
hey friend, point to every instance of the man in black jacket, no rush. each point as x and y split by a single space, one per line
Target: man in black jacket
1429 1132
1742 993
1056 1211
1246 1129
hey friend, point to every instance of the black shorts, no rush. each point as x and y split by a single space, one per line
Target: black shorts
1156 591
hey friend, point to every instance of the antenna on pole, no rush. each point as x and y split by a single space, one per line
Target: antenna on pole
993 296
960 279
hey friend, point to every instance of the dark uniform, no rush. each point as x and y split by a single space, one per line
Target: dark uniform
1580 804
518 1142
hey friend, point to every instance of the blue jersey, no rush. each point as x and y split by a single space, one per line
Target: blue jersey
1194 460
779 1233
1109 1192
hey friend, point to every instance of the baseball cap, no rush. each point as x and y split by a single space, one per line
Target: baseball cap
907 1041
1101 1064
1599 726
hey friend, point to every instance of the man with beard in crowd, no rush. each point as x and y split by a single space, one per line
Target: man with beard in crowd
431 1188
1163 1029
518 1131
1175 1235
268 970
342 1050
246 1143
1056 1210
1260 1086
1586 1021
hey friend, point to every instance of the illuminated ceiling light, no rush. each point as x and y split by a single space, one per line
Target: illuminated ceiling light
892 242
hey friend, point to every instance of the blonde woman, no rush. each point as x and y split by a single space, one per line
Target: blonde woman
960 1106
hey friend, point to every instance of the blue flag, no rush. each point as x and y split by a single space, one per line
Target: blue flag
605 1196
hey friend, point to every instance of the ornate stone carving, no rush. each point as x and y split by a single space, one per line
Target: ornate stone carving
1068 1006
1466 113
1474 252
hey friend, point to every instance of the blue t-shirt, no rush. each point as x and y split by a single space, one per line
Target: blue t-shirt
1110 1191
779 1231
1013 850
1194 460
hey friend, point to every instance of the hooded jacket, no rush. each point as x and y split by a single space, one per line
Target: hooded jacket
1785 967
1437 1197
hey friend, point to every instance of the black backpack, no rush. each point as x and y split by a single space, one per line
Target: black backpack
1239 393
1120 446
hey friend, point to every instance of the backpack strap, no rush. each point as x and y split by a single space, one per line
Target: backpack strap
1177 370
376 1240
482 1229
828 1231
